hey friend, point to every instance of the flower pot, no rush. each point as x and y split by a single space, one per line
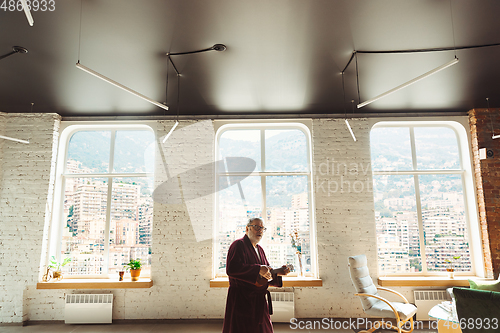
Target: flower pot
57 275
134 274
450 272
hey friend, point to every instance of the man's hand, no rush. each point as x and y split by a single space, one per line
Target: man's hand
265 272
286 270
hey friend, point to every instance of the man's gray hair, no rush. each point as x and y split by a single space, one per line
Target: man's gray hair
250 220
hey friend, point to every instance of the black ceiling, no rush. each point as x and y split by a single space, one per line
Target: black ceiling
282 56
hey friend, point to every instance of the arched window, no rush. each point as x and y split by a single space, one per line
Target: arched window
266 173
103 209
424 199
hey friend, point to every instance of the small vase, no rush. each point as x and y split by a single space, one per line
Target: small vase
46 277
450 273
301 268
120 274
134 274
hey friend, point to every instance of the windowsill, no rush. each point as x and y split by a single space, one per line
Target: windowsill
424 281
287 282
95 284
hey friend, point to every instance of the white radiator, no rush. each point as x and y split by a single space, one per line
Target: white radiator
283 307
88 309
426 299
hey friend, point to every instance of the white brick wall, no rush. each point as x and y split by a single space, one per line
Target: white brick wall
25 187
182 260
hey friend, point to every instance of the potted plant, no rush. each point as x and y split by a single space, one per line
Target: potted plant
451 269
56 267
135 266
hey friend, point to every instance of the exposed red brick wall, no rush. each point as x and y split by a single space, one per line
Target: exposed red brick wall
483 122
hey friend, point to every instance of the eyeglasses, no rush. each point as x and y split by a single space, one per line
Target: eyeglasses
258 227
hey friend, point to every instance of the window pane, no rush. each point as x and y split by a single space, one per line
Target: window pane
85 201
88 152
131 223
396 224
286 150
390 148
133 149
236 204
443 217
287 199
436 148
241 143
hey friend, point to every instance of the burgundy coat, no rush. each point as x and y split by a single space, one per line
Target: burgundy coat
247 310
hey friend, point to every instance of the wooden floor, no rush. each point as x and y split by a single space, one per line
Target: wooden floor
181 326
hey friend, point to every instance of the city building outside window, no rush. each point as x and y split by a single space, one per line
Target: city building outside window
278 190
420 195
103 204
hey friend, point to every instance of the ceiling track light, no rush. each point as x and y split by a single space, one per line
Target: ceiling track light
27 12
121 86
404 85
495 136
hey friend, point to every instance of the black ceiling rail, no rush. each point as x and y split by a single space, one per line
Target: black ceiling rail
441 49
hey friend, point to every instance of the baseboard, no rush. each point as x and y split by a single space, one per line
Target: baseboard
12 324
42 322
167 321
122 321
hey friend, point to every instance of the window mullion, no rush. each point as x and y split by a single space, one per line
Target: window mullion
108 202
418 203
263 177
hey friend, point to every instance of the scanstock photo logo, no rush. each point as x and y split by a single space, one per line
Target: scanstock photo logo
356 324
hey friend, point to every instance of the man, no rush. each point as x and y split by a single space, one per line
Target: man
247 310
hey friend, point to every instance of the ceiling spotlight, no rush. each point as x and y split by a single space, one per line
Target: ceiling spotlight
216 47
15 49
219 47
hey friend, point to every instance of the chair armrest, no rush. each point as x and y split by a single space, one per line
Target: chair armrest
394 292
383 300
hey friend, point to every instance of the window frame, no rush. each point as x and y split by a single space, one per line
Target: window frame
302 125
468 186
67 130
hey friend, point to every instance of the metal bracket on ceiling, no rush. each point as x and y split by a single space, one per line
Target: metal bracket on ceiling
216 47
15 49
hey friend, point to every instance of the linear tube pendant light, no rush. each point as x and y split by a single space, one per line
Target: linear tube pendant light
170 132
121 86
27 12
495 136
350 129
13 139
404 85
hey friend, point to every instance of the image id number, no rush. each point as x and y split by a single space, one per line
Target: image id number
475 324
34 5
